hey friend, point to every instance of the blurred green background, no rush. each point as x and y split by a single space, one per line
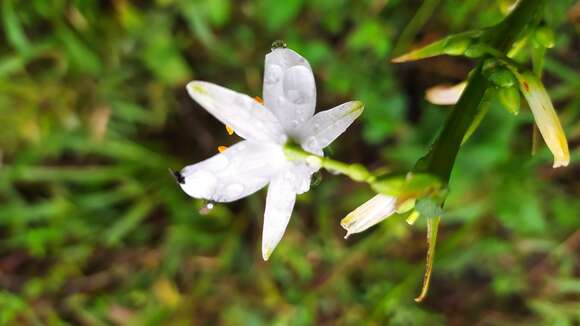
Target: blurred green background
94 230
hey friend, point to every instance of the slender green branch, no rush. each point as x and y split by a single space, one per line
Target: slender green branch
470 108
357 172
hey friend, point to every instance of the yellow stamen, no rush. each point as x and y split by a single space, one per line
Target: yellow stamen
230 130
222 149
259 99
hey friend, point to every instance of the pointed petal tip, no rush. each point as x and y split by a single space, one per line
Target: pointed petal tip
196 87
358 106
402 58
266 253
397 60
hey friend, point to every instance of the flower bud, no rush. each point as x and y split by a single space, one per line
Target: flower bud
475 51
456 45
544 36
502 77
452 45
509 97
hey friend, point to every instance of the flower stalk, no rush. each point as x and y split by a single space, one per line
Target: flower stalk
440 160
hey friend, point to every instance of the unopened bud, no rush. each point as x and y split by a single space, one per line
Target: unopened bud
509 97
545 37
502 77
456 45
475 51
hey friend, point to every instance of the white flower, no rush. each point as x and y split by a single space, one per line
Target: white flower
375 210
287 114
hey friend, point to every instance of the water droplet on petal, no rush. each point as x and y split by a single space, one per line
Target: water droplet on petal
219 162
311 144
200 184
273 74
208 205
279 44
298 84
234 190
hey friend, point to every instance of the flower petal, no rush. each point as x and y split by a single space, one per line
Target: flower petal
368 214
289 88
302 174
243 114
239 171
545 117
279 205
327 125
445 94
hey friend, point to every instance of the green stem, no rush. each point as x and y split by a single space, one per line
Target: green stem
441 158
356 172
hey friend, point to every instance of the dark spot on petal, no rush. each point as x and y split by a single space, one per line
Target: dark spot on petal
178 176
526 86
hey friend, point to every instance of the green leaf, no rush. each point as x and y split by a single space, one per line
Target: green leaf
455 44
128 222
432 229
13 28
80 55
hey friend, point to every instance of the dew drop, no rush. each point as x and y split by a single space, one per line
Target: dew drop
208 205
279 44
311 143
273 74
316 178
219 162
298 84
201 183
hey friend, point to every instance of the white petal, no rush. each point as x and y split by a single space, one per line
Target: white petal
445 94
279 205
368 214
327 125
239 171
546 117
248 118
302 173
289 88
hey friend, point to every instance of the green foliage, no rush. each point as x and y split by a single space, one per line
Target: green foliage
93 111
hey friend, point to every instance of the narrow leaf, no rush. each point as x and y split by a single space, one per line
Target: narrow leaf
432 228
